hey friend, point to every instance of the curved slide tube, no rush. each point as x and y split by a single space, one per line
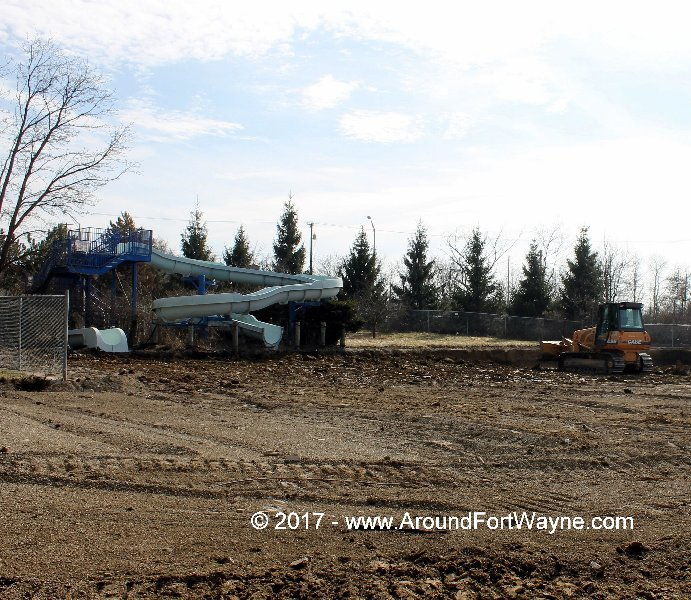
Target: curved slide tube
285 288
108 340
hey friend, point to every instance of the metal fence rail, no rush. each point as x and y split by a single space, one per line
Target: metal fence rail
33 333
516 328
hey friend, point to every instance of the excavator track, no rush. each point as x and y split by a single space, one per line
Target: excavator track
602 363
646 362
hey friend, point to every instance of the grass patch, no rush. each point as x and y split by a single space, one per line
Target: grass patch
11 375
364 339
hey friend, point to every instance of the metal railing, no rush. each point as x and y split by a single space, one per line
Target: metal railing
92 249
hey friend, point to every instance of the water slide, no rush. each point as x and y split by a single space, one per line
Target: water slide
108 340
283 288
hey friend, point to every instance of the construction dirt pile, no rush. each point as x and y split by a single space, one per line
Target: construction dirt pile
143 477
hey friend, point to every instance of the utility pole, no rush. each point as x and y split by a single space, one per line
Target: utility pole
374 237
508 281
311 224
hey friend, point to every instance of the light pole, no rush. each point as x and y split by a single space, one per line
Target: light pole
374 236
312 238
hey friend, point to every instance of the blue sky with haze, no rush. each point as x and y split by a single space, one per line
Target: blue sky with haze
509 116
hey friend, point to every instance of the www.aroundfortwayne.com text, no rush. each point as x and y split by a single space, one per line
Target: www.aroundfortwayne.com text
471 521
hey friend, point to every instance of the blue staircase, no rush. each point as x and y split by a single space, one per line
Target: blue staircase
92 251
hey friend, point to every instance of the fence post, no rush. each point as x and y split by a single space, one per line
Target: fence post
297 334
19 342
66 340
429 327
236 338
133 305
322 334
113 297
672 330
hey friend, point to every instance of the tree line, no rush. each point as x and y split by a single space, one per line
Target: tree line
468 281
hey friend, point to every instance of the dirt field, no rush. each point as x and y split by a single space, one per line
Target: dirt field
138 478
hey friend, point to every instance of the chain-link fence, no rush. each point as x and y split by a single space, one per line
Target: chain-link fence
670 335
515 328
33 333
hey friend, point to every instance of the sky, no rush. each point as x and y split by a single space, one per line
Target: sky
511 117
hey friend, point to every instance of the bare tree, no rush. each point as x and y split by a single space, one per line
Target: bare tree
330 265
635 278
57 146
677 295
657 269
614 265
445 280
550 241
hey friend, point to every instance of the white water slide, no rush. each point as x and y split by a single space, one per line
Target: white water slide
283 288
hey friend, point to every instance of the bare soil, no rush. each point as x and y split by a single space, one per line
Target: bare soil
138 478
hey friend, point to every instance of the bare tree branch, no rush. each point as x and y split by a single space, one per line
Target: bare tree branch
55 158
614 263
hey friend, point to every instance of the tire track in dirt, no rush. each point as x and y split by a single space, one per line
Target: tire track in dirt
157 438
211 477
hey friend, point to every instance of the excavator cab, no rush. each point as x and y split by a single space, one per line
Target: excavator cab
618 316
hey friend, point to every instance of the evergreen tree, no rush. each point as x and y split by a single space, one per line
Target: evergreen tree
289 253
125 222
360 271
193 241
417 289
240 254
582 283
22 260
532 297
477 290
41 249
362 283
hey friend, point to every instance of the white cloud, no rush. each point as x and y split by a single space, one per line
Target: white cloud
177 125
160 31
153 32
327 92
504 51
457 126
242 175
528 80
384 127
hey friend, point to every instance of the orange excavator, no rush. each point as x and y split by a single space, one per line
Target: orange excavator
618 343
